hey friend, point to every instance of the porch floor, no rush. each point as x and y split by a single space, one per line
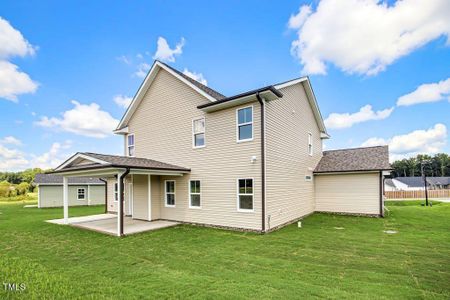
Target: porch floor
107 223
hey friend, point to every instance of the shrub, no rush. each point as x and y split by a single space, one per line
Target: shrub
22 188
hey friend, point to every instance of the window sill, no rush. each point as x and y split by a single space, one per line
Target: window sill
243 141
195 207
198 147
170 206
246 210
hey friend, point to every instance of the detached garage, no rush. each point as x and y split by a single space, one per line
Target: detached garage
351 180
82 191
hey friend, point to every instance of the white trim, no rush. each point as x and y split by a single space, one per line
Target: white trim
291 82
127 150
174 193
89 195
80 155
60 184
190 193
151 75
66 199
149 185
310 142
252 194
84 193
193 133
39 196
119 206
123 131
130 197
243 124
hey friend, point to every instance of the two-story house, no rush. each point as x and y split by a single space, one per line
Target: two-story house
252 161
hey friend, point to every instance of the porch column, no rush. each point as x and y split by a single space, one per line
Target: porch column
119 207
66 199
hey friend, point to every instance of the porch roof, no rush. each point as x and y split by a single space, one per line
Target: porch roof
87 163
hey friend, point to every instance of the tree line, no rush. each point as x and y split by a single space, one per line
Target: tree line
21 176
436 165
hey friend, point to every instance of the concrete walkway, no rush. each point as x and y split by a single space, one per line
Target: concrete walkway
107 223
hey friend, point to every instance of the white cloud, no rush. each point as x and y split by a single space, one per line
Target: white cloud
365 36
11 159
12 42
429 92
346 120
165 53
428 141
124 59
84 119
10 140
53 158
122 101
14 82
196 76
142 70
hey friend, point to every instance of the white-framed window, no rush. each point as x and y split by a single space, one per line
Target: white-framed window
244 124
198 133
195 200
308 177
81 194
310 144
130 145
169 188
245 194
116 192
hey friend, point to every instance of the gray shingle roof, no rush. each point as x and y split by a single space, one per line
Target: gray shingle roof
355 159
213 93
417 181
57 179
134 162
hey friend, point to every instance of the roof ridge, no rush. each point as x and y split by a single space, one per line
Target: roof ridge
356 148
212 92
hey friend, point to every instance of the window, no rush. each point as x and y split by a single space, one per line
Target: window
198 133
245 194
130 145
116 192
310 144
170 193
194 194
308 177
245 124
81 194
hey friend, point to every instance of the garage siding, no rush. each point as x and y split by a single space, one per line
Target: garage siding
52 195
348 193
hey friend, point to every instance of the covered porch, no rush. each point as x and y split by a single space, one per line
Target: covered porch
129 196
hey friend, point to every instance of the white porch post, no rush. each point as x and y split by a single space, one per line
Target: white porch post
119 203
149 184
66 199
89 195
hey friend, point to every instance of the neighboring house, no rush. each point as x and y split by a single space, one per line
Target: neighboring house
252 161
82 191
389 185
416 183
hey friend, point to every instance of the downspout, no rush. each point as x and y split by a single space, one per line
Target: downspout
263 163
122 196
106 193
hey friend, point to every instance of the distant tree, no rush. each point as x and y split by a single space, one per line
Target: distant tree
437 165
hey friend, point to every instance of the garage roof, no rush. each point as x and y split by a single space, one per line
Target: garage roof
57 179
355 159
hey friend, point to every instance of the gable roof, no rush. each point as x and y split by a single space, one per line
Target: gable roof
44 179
203 90
116 161
355 159
439 180
217 99
417 181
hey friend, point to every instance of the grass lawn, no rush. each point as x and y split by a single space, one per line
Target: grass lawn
318 260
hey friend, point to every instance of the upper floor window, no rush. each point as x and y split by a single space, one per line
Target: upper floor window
310 144
245 124
130 145
198 133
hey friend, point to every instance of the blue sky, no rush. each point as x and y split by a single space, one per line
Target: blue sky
91 51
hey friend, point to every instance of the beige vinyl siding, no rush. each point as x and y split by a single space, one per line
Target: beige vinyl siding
156 197
162 125
52 195
140 197
112 205
348 193
288 122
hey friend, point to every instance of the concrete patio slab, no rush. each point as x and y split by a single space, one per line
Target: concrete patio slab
107 223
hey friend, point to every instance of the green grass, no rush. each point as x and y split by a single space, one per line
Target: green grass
316 261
